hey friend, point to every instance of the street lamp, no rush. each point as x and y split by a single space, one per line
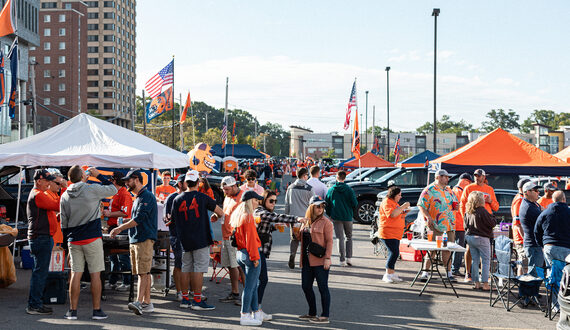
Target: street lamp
366 124
435 14
388 112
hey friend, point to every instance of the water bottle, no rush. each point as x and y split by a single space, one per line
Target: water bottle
444 238
120 221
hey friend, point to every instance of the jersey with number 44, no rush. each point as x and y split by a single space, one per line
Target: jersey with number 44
190 216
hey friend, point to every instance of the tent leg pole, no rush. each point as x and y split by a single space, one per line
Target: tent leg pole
17 209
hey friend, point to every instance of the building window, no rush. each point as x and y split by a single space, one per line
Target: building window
94 83
61 73
47 101
92 3
47 45
32 58
47 32
109 72
62 87
108 27
109 15
62 59
67 6
93 15
93 38
49 5
108 60
62 45
92 72
92 49
92 106
47 18
61 101
109 83
47 87
62 31
109 4
47 74
92 27
109 49
47 60
108 37
62 17
93 60
92 95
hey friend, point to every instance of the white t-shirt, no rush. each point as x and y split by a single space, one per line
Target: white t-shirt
319 188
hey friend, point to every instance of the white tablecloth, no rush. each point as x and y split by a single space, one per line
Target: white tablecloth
425 245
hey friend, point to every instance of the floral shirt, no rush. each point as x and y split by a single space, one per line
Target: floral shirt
439 204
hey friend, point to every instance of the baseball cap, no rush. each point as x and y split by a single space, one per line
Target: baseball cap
181 178
441 173
192 175
136 173
249 195
549 186
466 176
530 186
317 200
228 181
43 174
479 171
521 183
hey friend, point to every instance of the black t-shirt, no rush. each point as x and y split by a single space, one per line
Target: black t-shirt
190 215
168 212
278 172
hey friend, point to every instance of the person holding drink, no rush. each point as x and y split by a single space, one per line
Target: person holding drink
391 228
268 222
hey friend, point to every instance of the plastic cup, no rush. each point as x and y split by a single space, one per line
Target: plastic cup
430 235
280 227
296 229
257 219
438 241
454 205
410 235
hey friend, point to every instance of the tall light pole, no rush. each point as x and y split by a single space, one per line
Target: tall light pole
366 124
435 14
388 112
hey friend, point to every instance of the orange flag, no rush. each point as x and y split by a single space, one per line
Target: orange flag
185 111
6 20
356 138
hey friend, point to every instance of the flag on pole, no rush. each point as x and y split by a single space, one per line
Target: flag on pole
13 56
426 165
356 137
164 77
2 83
397 150
376 146
7 20
185 111
351 103
224 134
234 133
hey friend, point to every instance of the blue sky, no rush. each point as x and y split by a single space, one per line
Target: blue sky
293 62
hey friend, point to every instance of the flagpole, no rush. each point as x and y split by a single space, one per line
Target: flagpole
181 127
373 124
173 112
144 111
233 132
226 115
193 129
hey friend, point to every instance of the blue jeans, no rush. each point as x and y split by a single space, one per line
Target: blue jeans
480 248
278 184
120 262
393 246
535 258
308 276
263 278
249 301
553 252
40 249
458 256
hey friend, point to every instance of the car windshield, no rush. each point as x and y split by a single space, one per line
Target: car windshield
354 173
387 175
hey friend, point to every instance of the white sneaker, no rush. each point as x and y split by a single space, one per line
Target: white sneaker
178 296
110 286
396 278
343 264
248 319
123 288
147 308
387 278
349 261
266 317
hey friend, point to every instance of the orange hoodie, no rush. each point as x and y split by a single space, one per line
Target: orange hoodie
247 238
458 191
490 207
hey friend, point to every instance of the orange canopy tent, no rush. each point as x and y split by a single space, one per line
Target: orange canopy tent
368 160
564 154
500 152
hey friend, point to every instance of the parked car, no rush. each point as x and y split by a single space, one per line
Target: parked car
564 298
350 175
371 174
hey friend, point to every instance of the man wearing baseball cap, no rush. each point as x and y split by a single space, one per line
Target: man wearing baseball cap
41 242
190 216
143 232
529 212
465 179
518 233
491 203
228 252
546 199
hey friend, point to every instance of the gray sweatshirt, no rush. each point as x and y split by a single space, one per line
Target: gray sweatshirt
297 198
80 203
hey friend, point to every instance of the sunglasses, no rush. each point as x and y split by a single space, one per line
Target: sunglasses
272 201
320 206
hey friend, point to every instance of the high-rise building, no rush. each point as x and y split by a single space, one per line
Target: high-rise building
60 62
111 59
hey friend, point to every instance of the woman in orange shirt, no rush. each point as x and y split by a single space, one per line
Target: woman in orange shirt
204 187
248 244
391 229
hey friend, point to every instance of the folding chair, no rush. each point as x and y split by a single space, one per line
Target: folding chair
552 282
216 257
504 276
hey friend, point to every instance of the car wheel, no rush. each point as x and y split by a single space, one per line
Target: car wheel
365 212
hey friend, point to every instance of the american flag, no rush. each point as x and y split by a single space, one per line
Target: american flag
356 137
397 150
351 103
164 77
224 135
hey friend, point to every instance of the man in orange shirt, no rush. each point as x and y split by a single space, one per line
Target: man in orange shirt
53 192
228 253
491 203
165 189
518 233
464 180
546 200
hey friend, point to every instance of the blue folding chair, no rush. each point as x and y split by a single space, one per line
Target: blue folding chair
503 276
552 283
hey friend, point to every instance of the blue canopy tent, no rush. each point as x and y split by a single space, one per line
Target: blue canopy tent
240 151
419 160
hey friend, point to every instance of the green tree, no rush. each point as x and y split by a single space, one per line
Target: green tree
501 119
329 154
445 125
212 136
545 117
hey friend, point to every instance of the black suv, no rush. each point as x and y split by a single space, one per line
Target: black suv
367 175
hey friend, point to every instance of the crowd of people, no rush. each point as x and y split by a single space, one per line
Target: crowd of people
68 214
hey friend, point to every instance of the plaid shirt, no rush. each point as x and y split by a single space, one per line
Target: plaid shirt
266 225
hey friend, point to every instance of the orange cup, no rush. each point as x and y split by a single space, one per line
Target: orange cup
430 235
257 219
438 241
280 227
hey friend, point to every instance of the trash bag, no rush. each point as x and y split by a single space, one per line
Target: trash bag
419 224
7 268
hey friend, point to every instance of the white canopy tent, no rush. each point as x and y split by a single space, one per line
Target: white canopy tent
86 140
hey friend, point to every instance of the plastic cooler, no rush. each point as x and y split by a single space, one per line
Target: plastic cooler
56 288
408 253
